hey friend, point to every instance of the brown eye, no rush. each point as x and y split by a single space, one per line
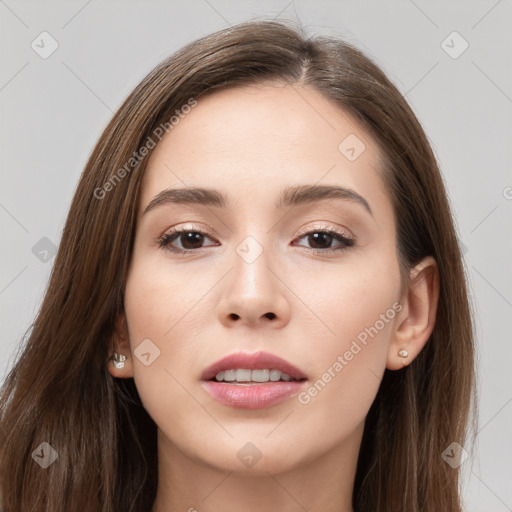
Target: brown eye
188 240
321 240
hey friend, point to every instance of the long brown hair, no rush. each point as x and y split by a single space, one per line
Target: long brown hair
59 390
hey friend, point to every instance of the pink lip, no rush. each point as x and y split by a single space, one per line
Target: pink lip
257 395
253 396
253 361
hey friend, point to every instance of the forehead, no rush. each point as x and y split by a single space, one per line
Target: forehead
251 142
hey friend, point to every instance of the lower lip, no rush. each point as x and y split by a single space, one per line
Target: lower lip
254 396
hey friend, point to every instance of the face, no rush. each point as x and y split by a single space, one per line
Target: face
310 278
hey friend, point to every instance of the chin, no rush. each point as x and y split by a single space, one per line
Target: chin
255 458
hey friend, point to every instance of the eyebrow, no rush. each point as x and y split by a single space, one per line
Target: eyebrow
291 196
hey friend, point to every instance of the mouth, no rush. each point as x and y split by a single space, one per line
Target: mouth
254 367
252 380
248 377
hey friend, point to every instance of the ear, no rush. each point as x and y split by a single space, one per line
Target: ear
121 344
417 318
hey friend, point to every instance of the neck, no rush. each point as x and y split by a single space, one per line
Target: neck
323 484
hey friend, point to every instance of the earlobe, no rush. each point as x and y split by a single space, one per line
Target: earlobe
417 318
119 362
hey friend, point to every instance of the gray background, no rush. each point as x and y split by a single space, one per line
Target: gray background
54 109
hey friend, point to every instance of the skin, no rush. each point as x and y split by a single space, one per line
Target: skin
250 143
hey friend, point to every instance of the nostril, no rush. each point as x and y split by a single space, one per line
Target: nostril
234 316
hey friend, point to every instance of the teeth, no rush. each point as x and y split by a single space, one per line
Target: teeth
275 375
244 375
259 375
230 375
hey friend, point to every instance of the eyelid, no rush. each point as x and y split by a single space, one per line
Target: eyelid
326 227
183 229
316 226
189 226
342 233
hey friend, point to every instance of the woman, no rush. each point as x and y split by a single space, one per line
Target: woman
258 301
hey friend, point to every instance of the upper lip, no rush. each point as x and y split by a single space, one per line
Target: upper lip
252 361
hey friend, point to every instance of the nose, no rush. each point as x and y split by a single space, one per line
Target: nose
254 295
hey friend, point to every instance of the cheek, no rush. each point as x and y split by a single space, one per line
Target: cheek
162 307
348 300
358 307
159 302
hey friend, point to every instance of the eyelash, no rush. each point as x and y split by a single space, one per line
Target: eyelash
164 241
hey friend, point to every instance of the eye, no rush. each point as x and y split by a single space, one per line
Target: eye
320 238
190 240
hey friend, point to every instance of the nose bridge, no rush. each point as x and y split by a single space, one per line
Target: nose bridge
254 293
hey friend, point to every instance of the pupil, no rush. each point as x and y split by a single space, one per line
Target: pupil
322 237
192 237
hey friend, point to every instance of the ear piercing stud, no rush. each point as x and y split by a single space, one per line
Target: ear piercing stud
118 360
403 353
